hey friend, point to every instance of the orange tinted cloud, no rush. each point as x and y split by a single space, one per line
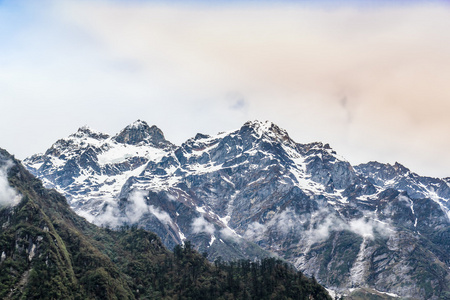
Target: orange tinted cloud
372 81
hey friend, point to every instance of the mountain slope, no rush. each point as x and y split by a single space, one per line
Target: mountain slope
37 260
48 252
370 226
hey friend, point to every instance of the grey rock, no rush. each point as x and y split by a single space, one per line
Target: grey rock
254 192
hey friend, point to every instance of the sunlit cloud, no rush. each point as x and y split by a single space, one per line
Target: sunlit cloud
368 79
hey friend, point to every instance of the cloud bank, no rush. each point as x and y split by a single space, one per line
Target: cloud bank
318 226
136 208
369 80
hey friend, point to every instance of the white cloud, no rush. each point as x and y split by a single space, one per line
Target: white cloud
325 222
200 225
285 222
135 209
227 233
320 225
255 231
110 216
288 63
8 195
362 227
136 206
161 215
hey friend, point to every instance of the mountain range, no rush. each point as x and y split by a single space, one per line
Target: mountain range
49 252
253 193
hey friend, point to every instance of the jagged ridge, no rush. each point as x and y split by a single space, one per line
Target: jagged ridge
48 252
349 227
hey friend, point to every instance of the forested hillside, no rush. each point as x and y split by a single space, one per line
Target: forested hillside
48 252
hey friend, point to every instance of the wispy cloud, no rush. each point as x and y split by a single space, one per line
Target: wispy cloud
325 221
200 225
294 64
161 215
8 195
255 231
227 233
136 208
109 216
320 225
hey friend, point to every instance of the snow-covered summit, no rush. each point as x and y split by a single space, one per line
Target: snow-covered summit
138 124
265 129
90 165
399 177
254 183
87 132
139 132
340 223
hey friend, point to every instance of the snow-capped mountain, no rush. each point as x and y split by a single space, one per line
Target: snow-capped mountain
371 226
90 166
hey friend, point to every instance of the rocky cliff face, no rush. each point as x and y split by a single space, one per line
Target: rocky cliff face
48 252
369 226
140 133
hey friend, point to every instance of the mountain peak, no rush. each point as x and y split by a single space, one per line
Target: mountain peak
379 173
266 128
260 125
140 132
400 168
138 124
86 131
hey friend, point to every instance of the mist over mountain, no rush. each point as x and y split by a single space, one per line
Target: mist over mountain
48 252
254 192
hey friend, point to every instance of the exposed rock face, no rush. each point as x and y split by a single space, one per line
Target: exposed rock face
48 252
401 178
373 225
139 132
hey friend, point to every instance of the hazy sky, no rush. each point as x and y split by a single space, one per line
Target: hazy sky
373 80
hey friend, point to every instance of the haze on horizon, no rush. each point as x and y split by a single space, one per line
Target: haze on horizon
371 79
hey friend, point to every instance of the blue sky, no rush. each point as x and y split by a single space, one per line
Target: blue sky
370 79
